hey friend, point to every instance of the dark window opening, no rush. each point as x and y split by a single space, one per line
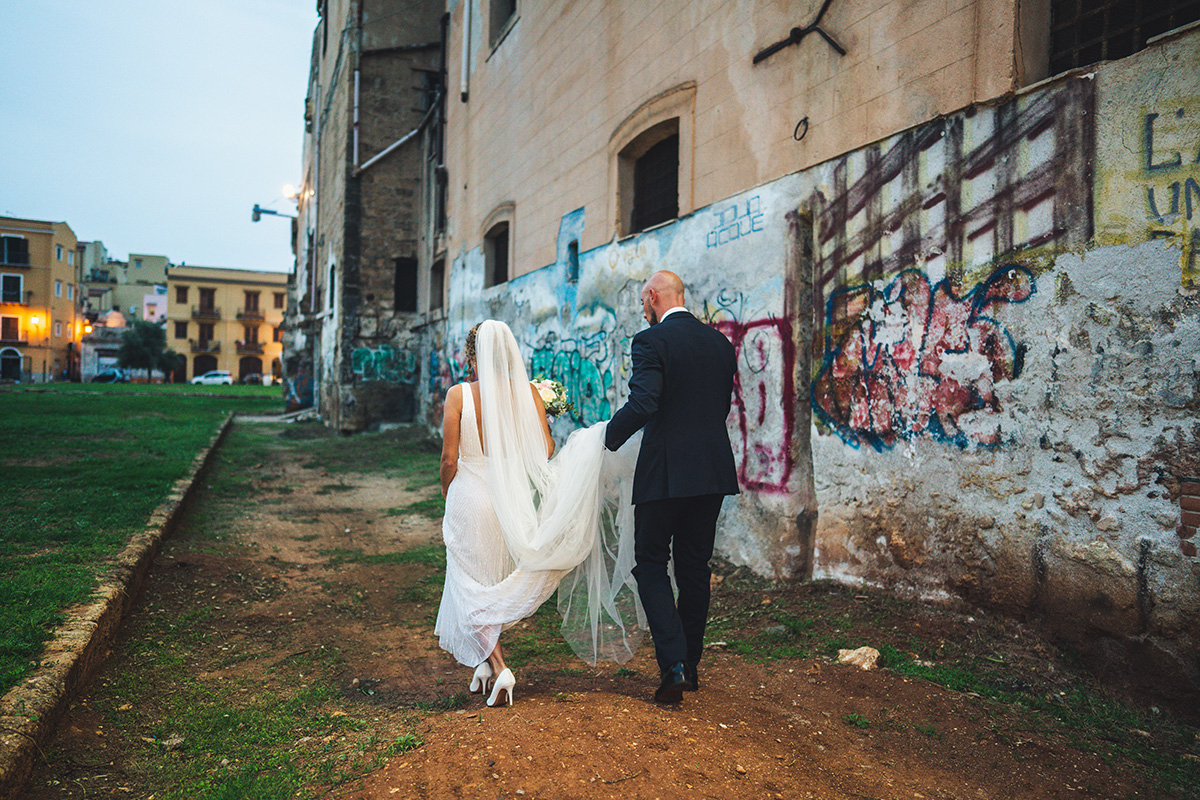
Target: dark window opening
1083 32
252 301
405 293
206 333
181 294
279 299
10 289
181 330
10 329
573 262
251 334
656 185
277 334
502 12
437 284
14 250
495 254
208 299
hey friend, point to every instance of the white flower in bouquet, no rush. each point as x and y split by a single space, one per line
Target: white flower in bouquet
554 396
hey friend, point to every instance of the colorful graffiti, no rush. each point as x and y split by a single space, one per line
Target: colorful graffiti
734 222
763 400
913 359
961 192
444 372
384 363
299 392
1168 143
580 365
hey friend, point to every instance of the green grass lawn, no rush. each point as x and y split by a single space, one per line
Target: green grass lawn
82 466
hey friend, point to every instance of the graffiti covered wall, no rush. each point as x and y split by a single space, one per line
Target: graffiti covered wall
968 354
575 323
1006 378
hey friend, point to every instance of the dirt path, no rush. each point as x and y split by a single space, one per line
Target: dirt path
283 647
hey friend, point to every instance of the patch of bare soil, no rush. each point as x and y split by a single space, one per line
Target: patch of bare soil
289 585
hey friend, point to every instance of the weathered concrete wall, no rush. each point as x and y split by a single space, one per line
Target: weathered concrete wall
1008 392
972 347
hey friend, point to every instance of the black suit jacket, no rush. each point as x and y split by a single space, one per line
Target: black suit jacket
680 391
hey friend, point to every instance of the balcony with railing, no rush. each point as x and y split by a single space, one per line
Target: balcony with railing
205 345
251 314
249 348
206 312
12 338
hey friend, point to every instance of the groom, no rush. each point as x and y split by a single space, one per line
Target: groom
680 391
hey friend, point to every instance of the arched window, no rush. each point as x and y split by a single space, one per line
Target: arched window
498 245
650 162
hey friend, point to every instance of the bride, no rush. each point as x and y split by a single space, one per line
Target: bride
519 525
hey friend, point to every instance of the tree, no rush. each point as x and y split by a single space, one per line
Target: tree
142 346
168 362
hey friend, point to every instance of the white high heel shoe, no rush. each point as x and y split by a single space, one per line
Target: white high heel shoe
481 678
504 683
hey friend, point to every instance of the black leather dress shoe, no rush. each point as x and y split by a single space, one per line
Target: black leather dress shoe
674 683
693 679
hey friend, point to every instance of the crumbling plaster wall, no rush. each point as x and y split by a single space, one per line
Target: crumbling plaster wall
1016 435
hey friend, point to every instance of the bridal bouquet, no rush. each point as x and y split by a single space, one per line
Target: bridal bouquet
554 396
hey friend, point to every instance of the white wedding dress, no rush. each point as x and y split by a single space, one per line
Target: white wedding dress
484 591
518 525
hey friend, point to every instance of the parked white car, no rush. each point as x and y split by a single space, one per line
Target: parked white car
216 376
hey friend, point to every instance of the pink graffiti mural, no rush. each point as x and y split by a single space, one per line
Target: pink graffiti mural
761 419
913 359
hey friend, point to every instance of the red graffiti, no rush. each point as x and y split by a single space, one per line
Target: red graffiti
761 419
910 359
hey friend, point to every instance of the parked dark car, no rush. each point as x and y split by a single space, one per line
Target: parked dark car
114 375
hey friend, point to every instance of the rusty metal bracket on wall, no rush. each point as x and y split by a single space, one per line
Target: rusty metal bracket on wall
798 34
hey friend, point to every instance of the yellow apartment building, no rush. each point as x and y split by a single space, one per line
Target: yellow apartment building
226 319
40 324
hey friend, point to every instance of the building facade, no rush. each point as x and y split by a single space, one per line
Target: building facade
953 242
360 288
130 287
226 319
40 323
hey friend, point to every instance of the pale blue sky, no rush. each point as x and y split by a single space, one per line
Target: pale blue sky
155 126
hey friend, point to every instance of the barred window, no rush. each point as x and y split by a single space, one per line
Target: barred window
1083 32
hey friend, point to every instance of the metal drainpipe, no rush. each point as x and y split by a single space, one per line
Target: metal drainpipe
357 71
316 202
356 74
464 82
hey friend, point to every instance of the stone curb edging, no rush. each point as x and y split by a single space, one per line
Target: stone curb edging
31 710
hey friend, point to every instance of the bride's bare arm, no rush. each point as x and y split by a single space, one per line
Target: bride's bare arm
541 407
451 418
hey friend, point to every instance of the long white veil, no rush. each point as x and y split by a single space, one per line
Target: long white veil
570 514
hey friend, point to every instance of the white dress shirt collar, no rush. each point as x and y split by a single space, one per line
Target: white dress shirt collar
671 311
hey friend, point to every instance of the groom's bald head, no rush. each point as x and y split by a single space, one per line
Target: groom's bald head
663 291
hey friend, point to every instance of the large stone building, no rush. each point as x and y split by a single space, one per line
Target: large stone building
228 319
40 323
954 243
361 301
